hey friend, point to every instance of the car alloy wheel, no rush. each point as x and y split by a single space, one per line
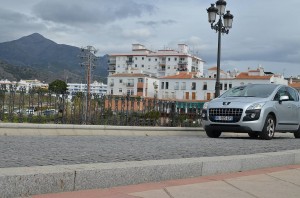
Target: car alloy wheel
269 128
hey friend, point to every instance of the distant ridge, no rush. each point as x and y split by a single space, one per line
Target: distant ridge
52 60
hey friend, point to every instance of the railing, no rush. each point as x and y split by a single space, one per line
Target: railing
40 107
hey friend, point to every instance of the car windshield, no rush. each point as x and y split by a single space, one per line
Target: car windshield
259 91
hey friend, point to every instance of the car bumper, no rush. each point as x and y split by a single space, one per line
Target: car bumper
249 126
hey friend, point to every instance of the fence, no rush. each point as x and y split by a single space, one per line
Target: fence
38 106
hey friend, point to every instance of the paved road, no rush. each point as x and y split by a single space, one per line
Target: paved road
49 150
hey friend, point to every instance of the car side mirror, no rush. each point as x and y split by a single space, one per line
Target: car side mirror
283 98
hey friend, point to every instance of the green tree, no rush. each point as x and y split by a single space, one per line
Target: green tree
58 86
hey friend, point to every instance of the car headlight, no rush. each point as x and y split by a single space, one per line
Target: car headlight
256 106
205 105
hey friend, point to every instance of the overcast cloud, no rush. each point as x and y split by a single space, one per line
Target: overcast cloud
264 32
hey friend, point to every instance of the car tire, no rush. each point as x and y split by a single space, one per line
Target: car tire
253 135
268 130
213 133
297 133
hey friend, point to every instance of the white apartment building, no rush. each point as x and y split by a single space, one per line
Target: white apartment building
189 86
143 66
159 63
24 84
136 84
95 88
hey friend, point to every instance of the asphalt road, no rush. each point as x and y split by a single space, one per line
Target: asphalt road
61 150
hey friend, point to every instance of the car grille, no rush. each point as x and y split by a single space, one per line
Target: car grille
225 115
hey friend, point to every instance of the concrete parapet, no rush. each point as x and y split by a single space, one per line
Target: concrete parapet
13 129
38 180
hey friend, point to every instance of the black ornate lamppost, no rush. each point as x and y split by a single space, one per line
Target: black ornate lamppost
220 27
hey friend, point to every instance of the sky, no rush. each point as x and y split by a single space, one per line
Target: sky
264 33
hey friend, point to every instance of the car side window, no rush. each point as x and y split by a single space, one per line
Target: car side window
293 95
280 92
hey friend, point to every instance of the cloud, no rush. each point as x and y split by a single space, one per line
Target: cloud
89 12
156 23
17 24
137 33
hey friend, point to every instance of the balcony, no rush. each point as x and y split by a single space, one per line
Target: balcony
111 84
181 69
129 62
181 62
112 62
129 85
111 68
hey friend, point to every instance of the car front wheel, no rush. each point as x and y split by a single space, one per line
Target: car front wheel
213 133
297 133
269 128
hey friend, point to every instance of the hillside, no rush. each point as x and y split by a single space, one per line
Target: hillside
40 58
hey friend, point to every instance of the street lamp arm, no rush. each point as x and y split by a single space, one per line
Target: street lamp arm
216 27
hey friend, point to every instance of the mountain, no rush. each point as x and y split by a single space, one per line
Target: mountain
47 59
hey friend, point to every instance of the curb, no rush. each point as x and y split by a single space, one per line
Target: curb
18 182
13 129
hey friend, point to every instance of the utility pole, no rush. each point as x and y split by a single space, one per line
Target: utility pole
89 58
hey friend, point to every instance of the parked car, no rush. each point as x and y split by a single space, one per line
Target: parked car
49 112
257 109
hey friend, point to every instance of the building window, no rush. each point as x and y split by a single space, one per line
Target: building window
169 59
156 59
193 86
142 65
175 59
162 85
130 92
205 86
142 58
140 80
225 86
230 85
112 92
120 90
176 87
183 86
135 65
121 81
149 59
135 58
167 85
221 86
215 75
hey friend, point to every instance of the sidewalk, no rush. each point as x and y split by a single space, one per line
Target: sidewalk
269 182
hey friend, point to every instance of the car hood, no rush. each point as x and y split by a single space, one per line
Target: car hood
234 102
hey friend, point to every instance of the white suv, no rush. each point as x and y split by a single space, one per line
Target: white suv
257 109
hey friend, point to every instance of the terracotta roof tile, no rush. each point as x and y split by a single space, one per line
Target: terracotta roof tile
128 75
295 84
244 75
181 75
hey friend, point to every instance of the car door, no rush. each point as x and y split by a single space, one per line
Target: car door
295 107
286 111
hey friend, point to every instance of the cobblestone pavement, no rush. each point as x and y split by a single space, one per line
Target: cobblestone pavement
48 150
